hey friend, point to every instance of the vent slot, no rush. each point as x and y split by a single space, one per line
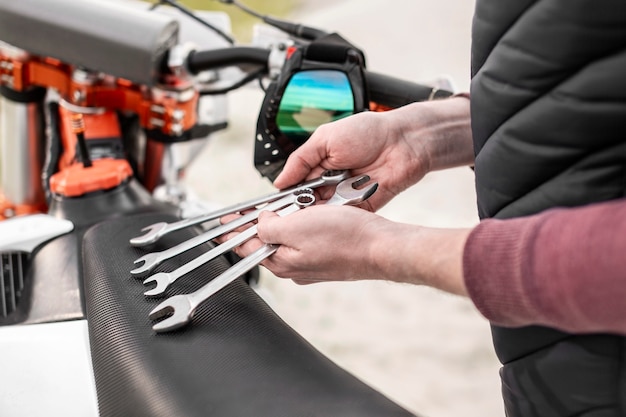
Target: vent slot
12 273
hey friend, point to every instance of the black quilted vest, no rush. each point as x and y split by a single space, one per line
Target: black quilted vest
549 123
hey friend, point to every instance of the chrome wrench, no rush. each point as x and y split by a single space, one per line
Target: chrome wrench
157 230
181 308
151 260
165 279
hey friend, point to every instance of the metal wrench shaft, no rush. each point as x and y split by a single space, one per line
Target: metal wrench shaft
151 260
182 307
165 279
156 231
191 301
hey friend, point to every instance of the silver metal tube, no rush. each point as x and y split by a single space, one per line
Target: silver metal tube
21 151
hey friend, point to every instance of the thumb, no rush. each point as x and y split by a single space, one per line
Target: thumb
300 163
295 171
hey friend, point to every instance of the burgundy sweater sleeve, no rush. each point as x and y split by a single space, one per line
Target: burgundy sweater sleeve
564 268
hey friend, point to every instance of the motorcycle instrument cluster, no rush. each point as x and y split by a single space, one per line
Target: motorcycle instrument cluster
320 82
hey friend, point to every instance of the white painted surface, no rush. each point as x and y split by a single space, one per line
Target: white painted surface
45 370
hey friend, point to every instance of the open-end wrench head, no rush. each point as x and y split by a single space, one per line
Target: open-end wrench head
356 182
353 191
162 280
180 310
150 260
153 233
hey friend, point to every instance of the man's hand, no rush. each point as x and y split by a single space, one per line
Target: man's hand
395 148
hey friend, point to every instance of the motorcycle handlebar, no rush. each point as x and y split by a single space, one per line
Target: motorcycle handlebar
394 92
382 89
199 61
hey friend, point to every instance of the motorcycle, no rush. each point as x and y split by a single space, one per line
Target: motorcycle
103 106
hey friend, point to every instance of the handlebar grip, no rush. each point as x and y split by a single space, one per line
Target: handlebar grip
199 61
394 92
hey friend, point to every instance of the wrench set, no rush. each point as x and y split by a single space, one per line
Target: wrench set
180 308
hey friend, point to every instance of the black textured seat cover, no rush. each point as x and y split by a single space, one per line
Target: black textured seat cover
236 358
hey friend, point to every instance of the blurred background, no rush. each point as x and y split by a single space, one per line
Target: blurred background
428 351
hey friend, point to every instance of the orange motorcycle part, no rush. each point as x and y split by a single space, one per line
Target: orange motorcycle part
379 107
9 210
171 112
153 164
104 125
73 178
77 180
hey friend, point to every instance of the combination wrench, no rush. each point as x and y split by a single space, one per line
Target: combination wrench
165 279
157 230
181 308
151 260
